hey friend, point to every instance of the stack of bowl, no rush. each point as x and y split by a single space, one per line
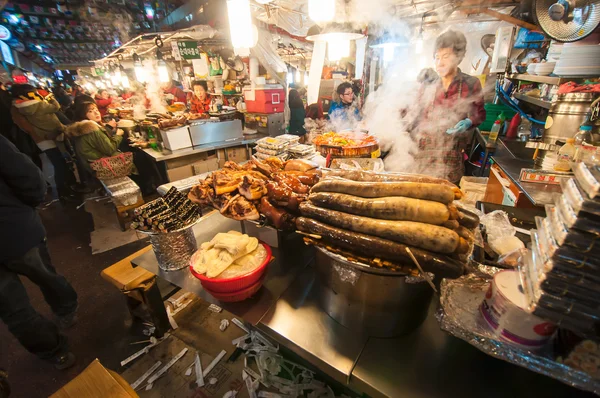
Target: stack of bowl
545 68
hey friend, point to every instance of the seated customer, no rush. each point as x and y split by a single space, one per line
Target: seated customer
91 140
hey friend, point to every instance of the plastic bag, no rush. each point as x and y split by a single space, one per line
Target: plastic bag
500 232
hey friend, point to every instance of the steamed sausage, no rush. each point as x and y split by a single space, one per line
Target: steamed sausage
355 242
358 175
467 219
417 190
426 236
387 208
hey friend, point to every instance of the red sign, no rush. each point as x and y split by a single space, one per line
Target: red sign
20 79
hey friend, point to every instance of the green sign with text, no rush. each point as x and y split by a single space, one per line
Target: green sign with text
188 49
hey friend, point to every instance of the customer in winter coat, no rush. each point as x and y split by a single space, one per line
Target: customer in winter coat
25 254
37 116
91 140
297 113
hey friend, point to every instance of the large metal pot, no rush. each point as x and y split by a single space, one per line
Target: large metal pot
566 114
379 302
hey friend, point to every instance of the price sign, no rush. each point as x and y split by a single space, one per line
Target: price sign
188 49
595 110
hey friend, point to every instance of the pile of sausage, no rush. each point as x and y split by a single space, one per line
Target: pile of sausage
382 218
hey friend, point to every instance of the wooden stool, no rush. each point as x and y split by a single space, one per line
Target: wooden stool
123 214
140 285
96 382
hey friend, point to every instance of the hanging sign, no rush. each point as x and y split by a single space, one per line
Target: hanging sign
188 49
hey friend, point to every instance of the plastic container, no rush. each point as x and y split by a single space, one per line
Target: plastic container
583 136
566 154
495 130
237 284
492 111
514 126
270 99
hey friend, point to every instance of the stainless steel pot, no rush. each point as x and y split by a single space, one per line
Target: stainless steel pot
379 302
566 114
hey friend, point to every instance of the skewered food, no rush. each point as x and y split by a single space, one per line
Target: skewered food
417 190
388 208
425 236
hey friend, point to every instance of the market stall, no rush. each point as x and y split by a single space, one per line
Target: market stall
343 249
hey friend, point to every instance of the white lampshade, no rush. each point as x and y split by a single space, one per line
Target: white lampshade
321 10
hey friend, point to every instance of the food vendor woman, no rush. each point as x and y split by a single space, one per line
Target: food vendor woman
455 108
199 99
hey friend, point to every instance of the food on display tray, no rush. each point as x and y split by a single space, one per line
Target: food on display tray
177 121
224 250
378 221
169 213
269 189
347 144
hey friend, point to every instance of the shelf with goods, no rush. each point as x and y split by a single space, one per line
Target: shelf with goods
533 100
538 79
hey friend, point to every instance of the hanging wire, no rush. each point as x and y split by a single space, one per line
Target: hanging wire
505 97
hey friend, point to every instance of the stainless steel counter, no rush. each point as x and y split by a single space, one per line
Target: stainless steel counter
169 155
281 272
538 194
424 363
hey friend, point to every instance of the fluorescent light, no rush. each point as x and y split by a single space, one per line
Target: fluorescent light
163 72
290 77
240 23
338 48
321 10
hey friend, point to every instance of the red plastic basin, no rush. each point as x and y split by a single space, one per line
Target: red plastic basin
240 295
237 284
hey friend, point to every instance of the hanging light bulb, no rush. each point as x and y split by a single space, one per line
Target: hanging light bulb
116 78
163 72
419 45
240 23
338 48
140 72
321 10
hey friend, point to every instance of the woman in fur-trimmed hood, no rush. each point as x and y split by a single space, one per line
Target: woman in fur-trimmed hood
91 140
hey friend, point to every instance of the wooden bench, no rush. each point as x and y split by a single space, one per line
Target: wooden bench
125 195
139 285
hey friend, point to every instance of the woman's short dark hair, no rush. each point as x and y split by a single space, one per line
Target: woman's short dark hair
81 110
295 99
452 39
200 83
341 89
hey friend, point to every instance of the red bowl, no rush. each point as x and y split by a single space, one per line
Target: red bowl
240 295
234 285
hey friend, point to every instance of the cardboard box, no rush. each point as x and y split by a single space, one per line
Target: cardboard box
179 173
205 166
237 154
95 382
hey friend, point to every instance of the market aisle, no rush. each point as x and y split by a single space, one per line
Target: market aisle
103 328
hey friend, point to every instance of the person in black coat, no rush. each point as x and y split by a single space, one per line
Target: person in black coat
24 253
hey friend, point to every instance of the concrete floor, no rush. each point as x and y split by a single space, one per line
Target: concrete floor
103 330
